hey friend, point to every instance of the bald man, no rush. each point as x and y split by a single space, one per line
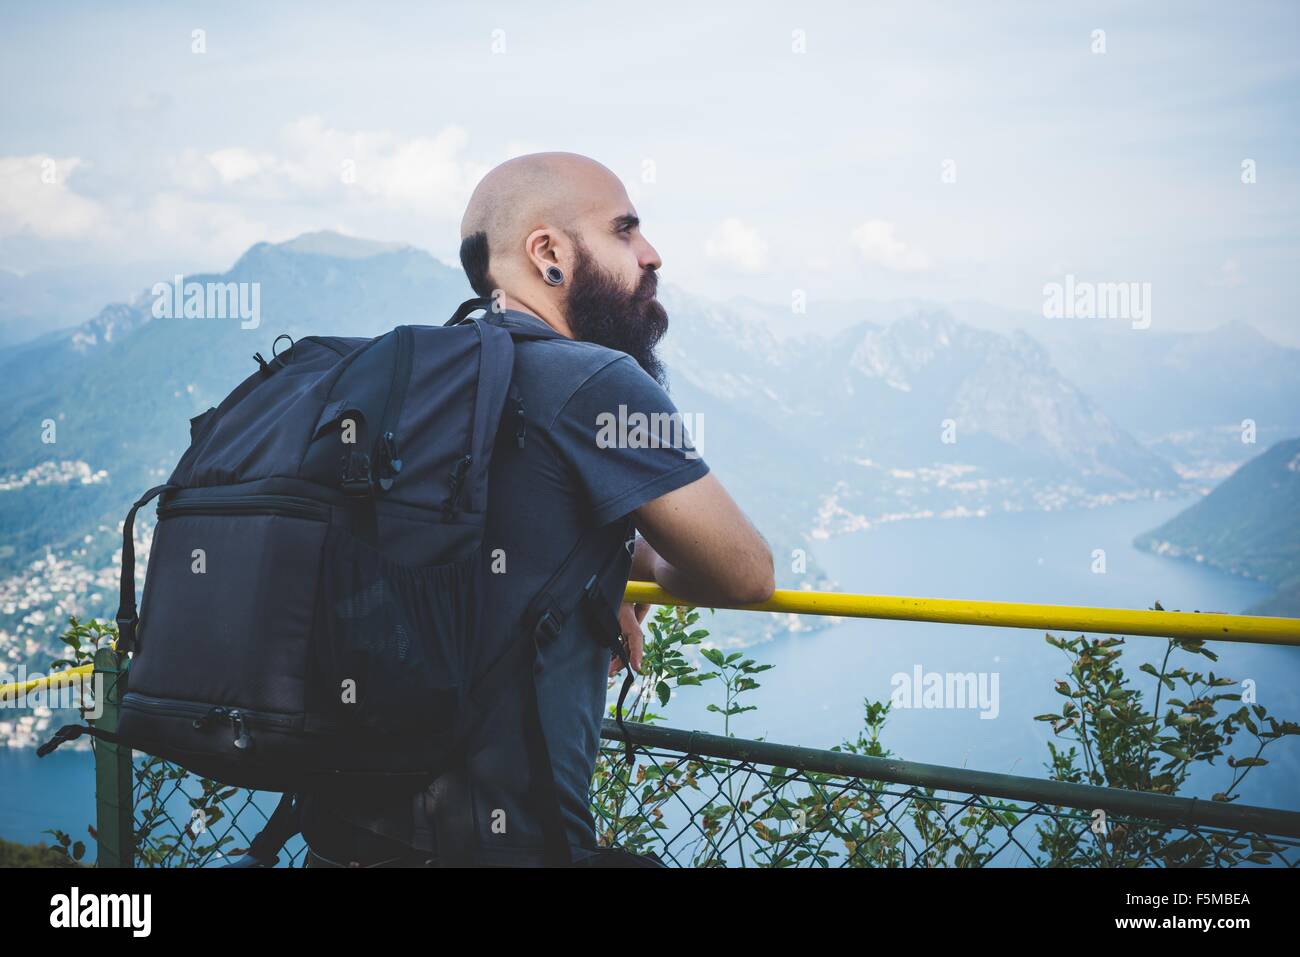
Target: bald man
554 241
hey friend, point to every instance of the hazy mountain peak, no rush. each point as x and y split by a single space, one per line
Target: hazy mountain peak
1240 332
114 321
326 242
929 319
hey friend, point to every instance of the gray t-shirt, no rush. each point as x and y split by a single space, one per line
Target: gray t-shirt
587 461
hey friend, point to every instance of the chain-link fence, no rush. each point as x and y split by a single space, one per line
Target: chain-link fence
699 800
700 809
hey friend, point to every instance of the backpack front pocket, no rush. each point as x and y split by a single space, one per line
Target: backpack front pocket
229 601
391 642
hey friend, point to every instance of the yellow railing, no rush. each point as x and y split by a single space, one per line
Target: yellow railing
56 680
1006 614
1209 626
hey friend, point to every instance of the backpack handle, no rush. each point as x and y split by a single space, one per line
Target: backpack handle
465 308
516 329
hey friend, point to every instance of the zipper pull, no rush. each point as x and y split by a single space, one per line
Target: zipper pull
389 463
390 445
242 740
211 714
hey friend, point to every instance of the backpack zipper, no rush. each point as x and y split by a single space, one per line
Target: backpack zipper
202 716
288 505
456 482
385 454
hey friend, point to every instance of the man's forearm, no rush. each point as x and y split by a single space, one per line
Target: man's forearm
649 566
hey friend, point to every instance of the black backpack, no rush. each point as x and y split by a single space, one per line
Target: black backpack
312 603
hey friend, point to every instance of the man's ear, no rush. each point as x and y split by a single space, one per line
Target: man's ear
541 248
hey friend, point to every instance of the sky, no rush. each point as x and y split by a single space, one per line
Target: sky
957 151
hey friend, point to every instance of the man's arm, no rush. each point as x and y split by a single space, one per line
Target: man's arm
704 548
714 555
701 547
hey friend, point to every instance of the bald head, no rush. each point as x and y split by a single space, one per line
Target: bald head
530 191
540 191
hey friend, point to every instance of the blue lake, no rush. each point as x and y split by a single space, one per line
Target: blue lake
813 695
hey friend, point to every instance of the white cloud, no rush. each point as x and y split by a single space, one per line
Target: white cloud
35 198
318 164
237 163
879 246
737 244
210 205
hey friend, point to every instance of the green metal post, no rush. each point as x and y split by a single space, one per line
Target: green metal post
114 778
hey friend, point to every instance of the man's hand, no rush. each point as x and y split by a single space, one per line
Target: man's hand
629 622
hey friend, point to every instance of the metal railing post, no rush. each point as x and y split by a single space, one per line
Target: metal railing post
114 777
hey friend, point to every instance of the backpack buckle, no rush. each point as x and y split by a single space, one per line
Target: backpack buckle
548 626
126 627
356 474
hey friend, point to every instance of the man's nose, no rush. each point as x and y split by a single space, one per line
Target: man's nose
649 258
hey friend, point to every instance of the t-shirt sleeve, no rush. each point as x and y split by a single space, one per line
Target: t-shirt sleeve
626 441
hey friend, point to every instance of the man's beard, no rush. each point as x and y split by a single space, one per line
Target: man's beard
600 310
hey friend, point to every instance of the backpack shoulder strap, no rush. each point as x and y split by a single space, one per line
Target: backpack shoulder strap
589 581
584 583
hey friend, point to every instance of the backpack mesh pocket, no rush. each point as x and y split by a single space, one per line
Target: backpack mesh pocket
392 641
